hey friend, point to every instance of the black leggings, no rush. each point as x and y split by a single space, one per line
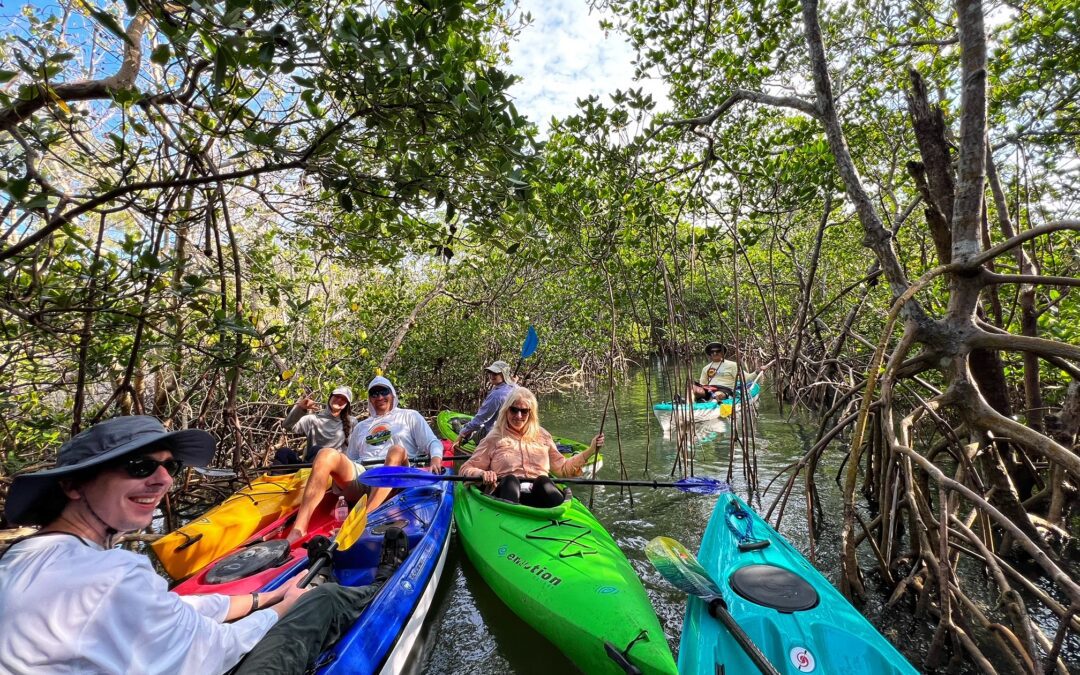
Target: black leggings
544 493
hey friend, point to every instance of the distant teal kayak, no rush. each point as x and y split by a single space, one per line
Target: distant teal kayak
669 411
791 612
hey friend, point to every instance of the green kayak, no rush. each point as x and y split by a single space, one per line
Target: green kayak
449 423
563 574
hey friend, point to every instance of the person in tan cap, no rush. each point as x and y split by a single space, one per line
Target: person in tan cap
500 378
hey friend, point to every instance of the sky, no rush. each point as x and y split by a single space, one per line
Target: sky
564 55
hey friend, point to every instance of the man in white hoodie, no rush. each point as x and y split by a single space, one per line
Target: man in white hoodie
392 434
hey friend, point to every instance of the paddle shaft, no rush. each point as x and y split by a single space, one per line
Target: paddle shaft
317 566
718 608
366 462
574 481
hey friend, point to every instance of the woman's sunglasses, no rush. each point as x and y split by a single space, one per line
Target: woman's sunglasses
519 411
144 467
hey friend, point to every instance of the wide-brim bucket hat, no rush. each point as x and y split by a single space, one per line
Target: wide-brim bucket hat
716 345
501 367
101 444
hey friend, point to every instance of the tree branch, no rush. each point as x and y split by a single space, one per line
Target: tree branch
86 90
740 95
1010 342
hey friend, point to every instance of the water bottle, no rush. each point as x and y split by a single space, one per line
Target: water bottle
341 512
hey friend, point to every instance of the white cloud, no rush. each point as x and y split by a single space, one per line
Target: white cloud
564 55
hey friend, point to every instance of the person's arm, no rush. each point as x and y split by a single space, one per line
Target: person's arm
480 462
154 630
573 466
425 441
488 409
242 605
297 421
354 445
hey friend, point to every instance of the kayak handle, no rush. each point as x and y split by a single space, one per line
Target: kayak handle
620 659
755 545
190 541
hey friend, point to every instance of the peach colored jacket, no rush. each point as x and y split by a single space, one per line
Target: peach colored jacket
510 454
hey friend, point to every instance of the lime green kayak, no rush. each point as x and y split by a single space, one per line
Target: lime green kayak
449 423
561 572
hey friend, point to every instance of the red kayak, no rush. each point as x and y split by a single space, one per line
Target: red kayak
263 558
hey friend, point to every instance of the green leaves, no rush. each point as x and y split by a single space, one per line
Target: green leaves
107 21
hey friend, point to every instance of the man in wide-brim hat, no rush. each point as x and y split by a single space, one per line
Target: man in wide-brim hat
70 602
718 376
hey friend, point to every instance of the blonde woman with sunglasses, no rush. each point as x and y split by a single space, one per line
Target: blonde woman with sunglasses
515 459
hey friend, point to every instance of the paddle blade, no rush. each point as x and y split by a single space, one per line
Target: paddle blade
532 341
397 477
353 526
681 569
702 485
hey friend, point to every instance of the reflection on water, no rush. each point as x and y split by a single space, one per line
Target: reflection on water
474 632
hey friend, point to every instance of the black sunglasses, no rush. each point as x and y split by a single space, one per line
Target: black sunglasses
144 467
519 411
378 391
716 351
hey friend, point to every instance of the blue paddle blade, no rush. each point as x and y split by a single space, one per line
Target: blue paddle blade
702 485
532 341
398 477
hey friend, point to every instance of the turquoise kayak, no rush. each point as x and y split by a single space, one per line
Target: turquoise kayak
798 620
669 411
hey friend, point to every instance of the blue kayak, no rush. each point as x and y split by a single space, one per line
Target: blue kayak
383 638
792 613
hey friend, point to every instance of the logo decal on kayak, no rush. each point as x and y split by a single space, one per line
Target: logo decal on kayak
569 534
537 569
503 549
802 659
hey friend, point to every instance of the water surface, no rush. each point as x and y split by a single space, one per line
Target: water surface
473 631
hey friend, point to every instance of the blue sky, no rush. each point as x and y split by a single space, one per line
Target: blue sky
564 55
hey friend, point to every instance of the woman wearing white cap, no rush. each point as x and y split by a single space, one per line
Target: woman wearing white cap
328 427
499 377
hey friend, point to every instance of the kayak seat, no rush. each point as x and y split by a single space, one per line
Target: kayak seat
251 560
774 587
567 496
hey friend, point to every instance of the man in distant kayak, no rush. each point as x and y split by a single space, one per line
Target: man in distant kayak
499 377
390 434
70 602
718 377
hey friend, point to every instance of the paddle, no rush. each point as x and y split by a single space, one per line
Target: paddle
346 536
528 348
367 462
405 477
682 570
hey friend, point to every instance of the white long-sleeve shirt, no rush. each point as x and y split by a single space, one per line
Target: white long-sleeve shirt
373 437
68 606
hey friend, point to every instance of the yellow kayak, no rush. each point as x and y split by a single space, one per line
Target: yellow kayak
188 549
